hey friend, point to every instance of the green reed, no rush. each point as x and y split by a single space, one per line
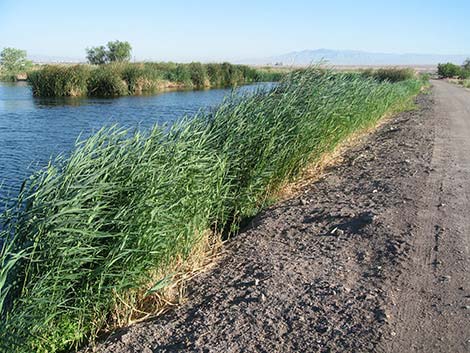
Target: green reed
118 79
87 234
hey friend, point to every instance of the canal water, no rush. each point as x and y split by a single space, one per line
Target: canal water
34 130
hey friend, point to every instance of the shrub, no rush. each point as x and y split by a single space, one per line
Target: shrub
448 70
464 73
6 76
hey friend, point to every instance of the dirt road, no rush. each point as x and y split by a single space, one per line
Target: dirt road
372 257
433 293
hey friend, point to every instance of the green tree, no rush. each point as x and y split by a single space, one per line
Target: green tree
119 51
466 64
13 61
115 51
97 55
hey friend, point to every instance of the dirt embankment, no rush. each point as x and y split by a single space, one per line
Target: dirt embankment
351 264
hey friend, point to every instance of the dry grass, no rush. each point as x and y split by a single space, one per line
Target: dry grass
167 287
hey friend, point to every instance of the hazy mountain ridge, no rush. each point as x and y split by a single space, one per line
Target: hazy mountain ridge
356 57
50 59
307 57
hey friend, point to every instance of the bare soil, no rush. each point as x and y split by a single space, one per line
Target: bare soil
372 257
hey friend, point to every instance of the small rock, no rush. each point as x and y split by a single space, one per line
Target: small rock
445 278
337 231
321 329
256 281
393 333
126 339
466 307
381 315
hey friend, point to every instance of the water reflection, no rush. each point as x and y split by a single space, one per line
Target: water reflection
47 102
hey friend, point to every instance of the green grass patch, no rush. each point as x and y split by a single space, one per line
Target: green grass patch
87 235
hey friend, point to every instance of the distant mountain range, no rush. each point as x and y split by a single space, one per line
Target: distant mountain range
355 57
46 59
329 56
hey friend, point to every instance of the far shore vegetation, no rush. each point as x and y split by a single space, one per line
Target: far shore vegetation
14 64
124 78
457 73
110 73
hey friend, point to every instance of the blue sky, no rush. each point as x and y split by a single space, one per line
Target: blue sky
215 30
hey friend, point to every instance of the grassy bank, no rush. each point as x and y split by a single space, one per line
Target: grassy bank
461 82
7 76
465 83
118 79
92 238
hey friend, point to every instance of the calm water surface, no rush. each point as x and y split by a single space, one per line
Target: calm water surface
32 130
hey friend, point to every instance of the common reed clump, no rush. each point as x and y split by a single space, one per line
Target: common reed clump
60 80
111 79
107 81
86 236
391 74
